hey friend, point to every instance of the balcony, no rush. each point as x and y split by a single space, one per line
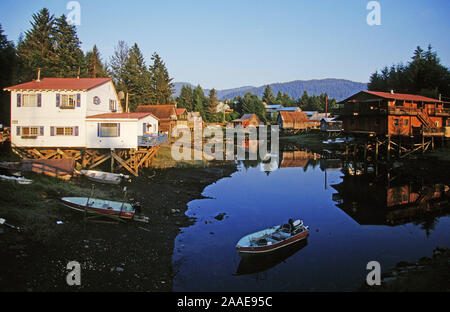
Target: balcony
437 131
150 140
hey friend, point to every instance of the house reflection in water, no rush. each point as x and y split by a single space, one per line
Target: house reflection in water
289 159
378 203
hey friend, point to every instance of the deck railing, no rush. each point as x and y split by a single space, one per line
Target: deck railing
149 140
433 131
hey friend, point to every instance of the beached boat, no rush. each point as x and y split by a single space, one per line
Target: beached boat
104 177
99 206
20 180
273 238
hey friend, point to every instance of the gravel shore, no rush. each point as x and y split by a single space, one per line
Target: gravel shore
114 257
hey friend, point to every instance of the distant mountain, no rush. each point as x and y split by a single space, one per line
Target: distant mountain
335 88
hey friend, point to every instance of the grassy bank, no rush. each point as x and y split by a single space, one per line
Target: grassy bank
163 159
35 207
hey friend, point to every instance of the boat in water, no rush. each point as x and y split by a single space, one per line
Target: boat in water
19 180
261 262
99 206
273 238
104 177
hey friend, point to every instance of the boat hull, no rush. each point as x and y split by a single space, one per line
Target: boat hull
113 209
269 248
102 177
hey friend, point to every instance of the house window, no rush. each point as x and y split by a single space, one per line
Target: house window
68 100
64 131
399 103
149 128
112 105
406 122
30 100
108 130
30 132
396 122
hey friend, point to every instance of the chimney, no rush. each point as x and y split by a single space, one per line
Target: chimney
392 91
78 74
440 97
39 75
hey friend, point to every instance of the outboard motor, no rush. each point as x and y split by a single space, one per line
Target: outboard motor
137 207
291 223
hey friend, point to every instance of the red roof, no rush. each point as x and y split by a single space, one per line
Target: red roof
402 97
180 111
60 84
163 112
122 116
293 116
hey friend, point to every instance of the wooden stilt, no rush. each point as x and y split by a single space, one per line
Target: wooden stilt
112 161
376 150
423 144
389 148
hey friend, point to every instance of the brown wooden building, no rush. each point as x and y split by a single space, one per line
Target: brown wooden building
394 114
166 114
293 121
247 120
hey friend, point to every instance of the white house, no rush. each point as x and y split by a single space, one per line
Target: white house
67 112
119 130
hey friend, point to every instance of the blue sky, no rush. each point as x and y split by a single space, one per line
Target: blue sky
227 44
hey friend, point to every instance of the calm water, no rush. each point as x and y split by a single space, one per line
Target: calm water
352 221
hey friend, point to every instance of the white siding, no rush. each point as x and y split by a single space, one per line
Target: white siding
49 115
130 129
105 92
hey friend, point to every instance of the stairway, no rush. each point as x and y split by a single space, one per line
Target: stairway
425 120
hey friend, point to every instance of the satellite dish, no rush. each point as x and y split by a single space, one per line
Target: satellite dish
121 95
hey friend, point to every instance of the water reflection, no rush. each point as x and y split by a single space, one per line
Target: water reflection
355 216
387 200
257 263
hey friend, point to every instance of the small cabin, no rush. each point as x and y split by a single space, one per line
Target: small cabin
181 113
293 121
247 120
330 125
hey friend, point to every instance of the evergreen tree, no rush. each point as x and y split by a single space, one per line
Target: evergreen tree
136 78
251 104
423 75
69 56
186 98
279 98
199 101
37 48
161 83
94 66
303 100
268 96
211 109
8 61
117 64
